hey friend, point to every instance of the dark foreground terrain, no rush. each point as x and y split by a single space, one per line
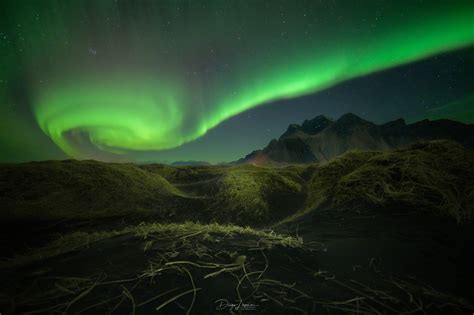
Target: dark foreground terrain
366 233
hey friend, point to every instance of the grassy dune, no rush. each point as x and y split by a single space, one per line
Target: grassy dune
81 190
256 194
436 177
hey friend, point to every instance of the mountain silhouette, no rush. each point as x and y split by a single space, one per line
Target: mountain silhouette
321 138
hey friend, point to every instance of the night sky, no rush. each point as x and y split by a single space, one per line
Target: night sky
154 81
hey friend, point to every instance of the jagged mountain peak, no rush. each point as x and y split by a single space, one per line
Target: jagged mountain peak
350 118
310 127
321 139
318 119
316 124
349 122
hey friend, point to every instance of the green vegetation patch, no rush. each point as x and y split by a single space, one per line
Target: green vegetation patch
81 189
251 194
437 176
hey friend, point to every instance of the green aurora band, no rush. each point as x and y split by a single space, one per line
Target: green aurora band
156 106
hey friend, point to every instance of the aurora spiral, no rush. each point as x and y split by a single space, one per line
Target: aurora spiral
136 76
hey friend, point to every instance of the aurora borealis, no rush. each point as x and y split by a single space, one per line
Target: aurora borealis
110 79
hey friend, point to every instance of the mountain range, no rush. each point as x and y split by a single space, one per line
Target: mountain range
322 138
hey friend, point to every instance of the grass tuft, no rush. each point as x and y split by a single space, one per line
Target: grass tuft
149 231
